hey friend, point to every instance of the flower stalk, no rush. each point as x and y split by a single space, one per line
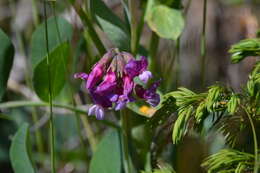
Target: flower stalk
125 142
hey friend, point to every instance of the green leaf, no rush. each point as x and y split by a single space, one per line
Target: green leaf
58 60
19 152
6 61
115 29
38 42
166 22
107 158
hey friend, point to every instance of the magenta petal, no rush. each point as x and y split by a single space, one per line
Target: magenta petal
83 76
145 76
128 85
108 84
95 76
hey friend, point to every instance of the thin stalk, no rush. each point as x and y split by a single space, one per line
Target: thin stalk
255 141
203 50
175 62
84 16
35 13
51 123
125 146
16 104
153 47
68 79
132 4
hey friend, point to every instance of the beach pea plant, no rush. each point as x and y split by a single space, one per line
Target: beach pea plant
94 97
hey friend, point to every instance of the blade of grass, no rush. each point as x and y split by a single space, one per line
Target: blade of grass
203 50
51 123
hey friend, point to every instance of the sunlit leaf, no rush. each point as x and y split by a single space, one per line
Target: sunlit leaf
6 61
166 22
19 152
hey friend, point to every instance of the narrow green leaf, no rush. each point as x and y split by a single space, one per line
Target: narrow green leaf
58 57
19 152
166 22
38 42
112 25
107 158
6 61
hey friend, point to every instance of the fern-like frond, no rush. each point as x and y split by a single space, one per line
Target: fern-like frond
229 160
245 48
180 126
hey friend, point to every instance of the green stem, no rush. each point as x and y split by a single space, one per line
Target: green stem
84 16
153 47
125 147
203 45
15 104
132 4
255 141
51 123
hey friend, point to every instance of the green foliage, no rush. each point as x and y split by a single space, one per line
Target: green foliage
58 58
245 48
115 29
107 157
6 61
165 21
181 124
229 161
19 151
191 106
38 42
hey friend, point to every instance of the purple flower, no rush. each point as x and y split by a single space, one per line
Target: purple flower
97 110
111 82
145 76
149 94
135 67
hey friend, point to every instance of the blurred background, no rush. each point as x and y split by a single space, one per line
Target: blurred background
228 21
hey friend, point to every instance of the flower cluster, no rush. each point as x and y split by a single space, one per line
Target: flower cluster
111 82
